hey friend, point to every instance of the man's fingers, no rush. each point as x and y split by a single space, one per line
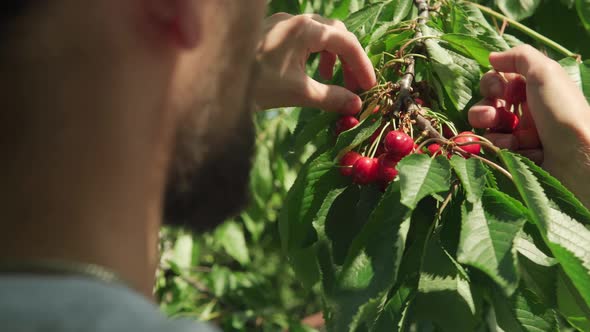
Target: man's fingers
484 114
327 62
493 85
331 98
348 48
350 81
536 155
328 59
327 21
276 18
528 138
503 141
524 60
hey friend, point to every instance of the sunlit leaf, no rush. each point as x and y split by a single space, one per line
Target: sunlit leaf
421 176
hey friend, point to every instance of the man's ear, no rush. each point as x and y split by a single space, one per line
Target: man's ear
179 19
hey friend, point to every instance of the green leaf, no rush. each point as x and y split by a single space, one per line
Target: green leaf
397 10
468 19
183 251
489 228
455 79
305 264
583 8
373 261
255 227
311 129
570 305
518 9
568 239
231 237
394 311
512 40
471 47
529 250
353 208
472 174
540 279
364 20
356 136
579 73
341 10
569 3
288 6
394 41
319 183
522 312
559 194
421 176
443 286
261 179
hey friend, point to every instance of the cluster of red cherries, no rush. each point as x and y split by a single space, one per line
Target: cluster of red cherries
395 145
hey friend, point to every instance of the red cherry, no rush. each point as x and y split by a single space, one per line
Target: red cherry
434 149
447 132
419 101
472 148
515 93
507 121
365 170
399 143
387 171
346 123
348 161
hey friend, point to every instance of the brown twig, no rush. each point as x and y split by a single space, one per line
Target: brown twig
405 83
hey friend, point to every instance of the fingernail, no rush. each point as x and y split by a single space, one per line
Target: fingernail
353 106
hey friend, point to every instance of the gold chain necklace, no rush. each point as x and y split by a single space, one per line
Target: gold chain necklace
59 267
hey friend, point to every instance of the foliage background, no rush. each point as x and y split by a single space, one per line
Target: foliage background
237 276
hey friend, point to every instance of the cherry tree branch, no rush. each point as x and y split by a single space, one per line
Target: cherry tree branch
405 83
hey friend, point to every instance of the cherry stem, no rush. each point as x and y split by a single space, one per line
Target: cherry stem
441 141
446 202
486 161
488 145
375 144
526 30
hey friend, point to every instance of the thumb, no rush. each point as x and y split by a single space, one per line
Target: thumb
331 98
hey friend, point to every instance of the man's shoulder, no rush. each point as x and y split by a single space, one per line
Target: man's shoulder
61 304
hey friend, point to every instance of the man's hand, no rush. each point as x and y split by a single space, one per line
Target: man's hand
554 129
283 52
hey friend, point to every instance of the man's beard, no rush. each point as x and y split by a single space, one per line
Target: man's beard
205 188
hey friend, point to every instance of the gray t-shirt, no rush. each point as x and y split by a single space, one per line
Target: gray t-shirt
74 304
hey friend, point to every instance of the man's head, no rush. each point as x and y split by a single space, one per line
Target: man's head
146 92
